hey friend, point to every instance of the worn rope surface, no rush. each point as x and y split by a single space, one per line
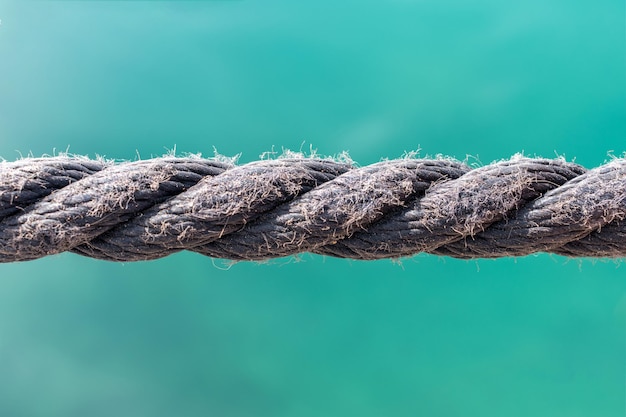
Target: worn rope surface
149 209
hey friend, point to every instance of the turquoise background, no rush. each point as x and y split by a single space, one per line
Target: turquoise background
188 336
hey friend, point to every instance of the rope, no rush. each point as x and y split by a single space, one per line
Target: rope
149 209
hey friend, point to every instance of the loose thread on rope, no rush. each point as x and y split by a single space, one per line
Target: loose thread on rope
149 209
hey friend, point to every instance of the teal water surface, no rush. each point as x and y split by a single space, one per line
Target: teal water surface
541 336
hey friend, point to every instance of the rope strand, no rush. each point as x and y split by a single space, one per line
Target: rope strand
266 209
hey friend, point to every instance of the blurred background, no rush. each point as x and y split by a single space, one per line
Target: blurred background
190 336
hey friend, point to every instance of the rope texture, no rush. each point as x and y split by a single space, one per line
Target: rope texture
149 209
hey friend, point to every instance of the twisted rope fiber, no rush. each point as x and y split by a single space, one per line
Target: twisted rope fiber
149 209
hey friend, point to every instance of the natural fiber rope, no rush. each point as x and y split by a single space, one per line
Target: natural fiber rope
272 208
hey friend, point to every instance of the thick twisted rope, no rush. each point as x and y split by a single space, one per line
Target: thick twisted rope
149 209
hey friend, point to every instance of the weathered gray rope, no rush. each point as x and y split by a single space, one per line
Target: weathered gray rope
272 208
